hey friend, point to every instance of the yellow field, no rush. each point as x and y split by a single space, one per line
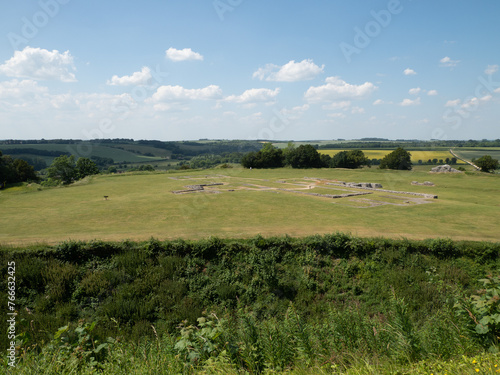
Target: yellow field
415 155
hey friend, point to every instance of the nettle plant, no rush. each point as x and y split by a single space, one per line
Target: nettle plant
484 309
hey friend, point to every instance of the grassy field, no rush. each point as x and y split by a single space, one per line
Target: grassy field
118 155
477 152
143 205
416 155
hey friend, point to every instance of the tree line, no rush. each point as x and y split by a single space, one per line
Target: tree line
306 156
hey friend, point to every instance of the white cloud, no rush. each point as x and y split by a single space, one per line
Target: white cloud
409 102
295 113
182 54
16 89
179 93
415 91
290 72
472 103
137 78
40 64
254 95
409 72
336 115
448 63
336 88
355 110
497 91
452 103
432 92
378 102
344 105
486 98
491 69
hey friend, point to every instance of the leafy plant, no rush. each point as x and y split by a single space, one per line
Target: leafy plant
484 309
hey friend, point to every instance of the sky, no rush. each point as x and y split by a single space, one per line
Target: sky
249 69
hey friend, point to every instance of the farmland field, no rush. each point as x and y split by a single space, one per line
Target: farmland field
416 155
251 202
476 152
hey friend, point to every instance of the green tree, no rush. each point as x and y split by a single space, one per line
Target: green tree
24 171
304 156
351 159
85 167
63 169
15 170
487 163
268 157
398 159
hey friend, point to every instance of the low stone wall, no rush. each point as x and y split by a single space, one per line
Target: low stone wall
325 195
429 196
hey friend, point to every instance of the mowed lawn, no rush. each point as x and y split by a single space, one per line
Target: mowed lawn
140 206
416 155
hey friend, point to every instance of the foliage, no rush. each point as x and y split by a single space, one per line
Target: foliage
275 304
350 159
64 169
268 157
398 159
304 156
487 163
483 309
85 167
15 170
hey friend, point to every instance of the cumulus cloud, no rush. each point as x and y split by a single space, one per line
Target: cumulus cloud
179 93
409 72
452 103
378 102
446 62
182 54
137 78
290 72
432 92
344 104
336 88
40 64
17 89
253 96
410 102
491 69
415 91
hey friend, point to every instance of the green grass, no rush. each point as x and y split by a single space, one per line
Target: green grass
476 152
142 205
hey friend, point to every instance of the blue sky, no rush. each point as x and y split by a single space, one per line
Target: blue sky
248 69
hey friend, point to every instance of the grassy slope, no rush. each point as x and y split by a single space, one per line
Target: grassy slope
141 206
118 155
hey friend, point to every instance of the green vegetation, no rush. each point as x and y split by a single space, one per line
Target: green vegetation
487 163
399 159
350 159
15 170
319 304
64 169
